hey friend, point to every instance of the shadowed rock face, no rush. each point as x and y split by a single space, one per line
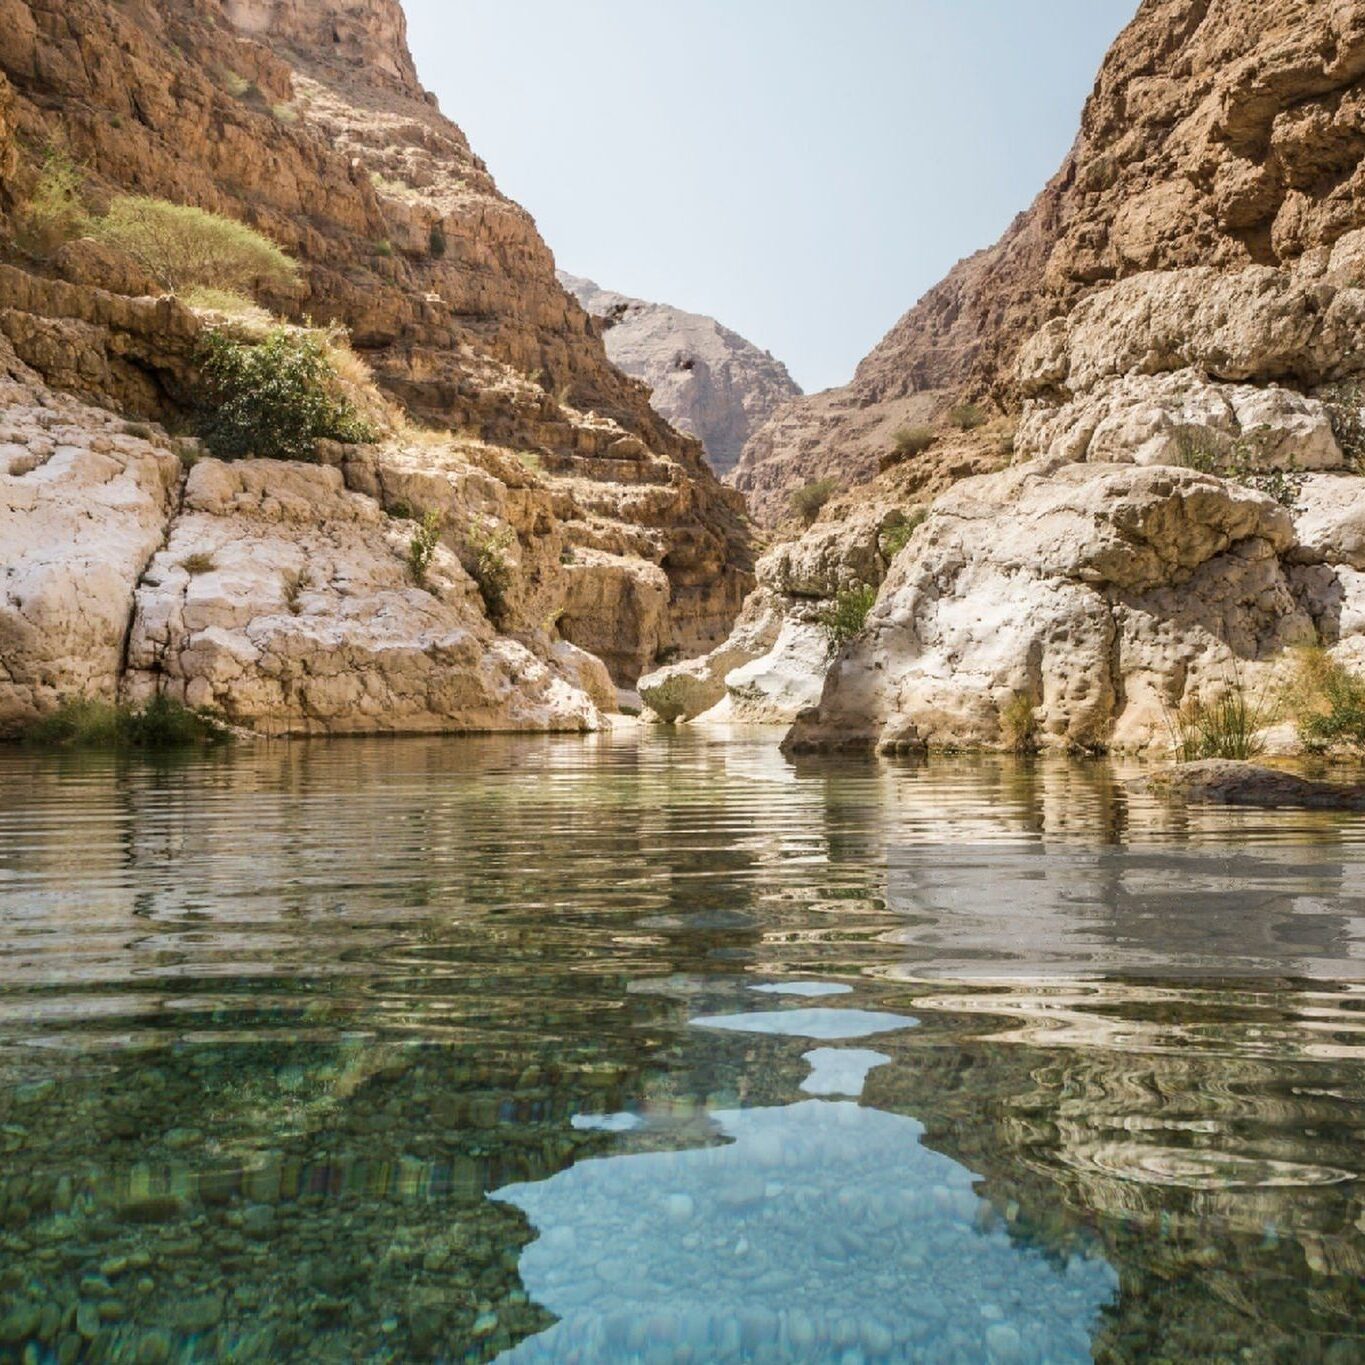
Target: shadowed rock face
1223 133
306 120
706 380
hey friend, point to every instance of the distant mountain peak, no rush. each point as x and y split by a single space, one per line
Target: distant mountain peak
707 380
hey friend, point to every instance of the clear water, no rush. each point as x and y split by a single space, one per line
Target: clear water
666 1049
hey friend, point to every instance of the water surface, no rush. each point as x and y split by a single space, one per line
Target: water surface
664 1048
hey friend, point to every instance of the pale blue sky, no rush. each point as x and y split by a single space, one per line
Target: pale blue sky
803 170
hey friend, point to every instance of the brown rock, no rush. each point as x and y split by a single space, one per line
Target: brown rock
1223 782
1221 133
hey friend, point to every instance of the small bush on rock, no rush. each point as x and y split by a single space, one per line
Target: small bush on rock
910 441
1346 407
1019 724
275 399
198 563
422 546
967 416
847 615
54 214
486 547
1239 462
182 247
161 724
1328 702
1230 724
809 502
896 536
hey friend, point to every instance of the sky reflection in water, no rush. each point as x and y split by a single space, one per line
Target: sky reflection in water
815 1231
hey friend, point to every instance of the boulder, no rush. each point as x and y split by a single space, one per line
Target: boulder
84 504
1098 597
1223 782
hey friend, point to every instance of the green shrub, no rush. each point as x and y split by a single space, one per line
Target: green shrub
1328 702
161 724
1239 462
808 502
226 301
486 547
54 213
896 536
1198 449
422 546
847 615
182 247
236 85
1019 724
1229 725
274 399
967 417
436 242
1346 407
913 441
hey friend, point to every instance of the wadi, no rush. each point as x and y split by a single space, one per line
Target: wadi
526 834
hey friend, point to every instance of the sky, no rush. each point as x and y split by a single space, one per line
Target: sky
802 170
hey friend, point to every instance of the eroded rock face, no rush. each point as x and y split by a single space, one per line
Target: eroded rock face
705 379
84 505
283 601
1095 599
306 120
1222 135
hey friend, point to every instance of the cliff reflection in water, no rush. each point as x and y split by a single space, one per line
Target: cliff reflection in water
274 1024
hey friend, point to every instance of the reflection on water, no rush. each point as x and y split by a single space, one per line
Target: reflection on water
668 1049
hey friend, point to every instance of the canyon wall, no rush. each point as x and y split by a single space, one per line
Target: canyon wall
1142 414
1220 134
306 121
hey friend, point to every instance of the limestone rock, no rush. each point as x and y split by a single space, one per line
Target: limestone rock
705 379
1099 595
283 601
687 690
1329 521
1259 325
84 506
1222 782
1173 418
773 665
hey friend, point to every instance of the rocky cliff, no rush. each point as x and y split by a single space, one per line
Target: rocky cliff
1165 351
306 121
704 379
1219 134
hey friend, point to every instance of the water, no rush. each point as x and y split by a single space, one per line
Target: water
666 1049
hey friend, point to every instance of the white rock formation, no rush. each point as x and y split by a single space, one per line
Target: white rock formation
284 601
83 506
773 665
1101 596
